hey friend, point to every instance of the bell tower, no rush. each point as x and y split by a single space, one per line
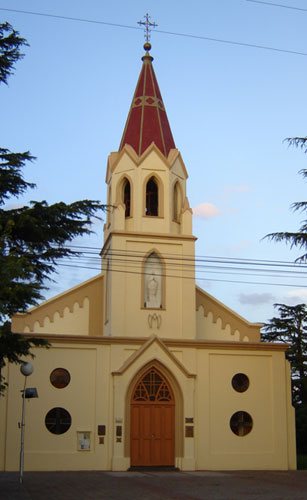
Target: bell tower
148 253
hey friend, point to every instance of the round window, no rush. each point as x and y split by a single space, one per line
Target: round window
241 423
240 382
60 378
58 420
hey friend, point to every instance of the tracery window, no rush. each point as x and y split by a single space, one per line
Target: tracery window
153 387
152 198
58 420
240 382
153 282
241 423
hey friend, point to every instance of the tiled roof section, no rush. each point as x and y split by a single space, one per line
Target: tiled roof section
147 120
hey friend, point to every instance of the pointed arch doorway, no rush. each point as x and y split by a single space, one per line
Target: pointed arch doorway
152 422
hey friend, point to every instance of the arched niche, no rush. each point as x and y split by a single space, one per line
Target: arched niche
153 281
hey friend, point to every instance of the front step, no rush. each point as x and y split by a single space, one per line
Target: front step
153 468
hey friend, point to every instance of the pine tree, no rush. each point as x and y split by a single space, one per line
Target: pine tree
291 327
299 238
32 238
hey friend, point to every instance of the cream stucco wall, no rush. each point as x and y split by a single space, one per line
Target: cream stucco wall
126 289
78 311
88 367
266 446
209 330
129 240
73 321
103 373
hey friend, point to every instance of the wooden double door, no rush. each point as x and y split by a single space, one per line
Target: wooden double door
152 421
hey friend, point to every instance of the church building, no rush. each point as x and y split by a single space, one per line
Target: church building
145 368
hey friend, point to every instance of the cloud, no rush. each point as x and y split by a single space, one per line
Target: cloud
238 189
256 298
206 210
294 297
241 245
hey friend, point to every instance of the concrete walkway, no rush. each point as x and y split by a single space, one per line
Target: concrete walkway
242 485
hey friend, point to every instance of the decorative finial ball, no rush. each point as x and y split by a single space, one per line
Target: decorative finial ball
26 369
147 46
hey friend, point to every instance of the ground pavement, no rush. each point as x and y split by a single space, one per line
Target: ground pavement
147 485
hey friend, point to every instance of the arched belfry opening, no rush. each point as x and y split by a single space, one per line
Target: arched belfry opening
152 421
152 198
127 197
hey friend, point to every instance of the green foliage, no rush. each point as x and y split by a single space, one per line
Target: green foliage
14 347
12 181
299 142
301 462
10 45
291 327
296 239
33 238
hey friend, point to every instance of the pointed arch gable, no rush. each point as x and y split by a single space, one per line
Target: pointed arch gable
136 355
115 158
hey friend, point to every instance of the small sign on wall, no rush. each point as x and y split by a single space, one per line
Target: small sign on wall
84 441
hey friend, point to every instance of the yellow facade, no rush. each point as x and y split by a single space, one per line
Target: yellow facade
143 314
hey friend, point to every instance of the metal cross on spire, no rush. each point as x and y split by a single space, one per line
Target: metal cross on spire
147 25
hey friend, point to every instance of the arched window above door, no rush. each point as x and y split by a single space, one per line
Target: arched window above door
152 198
152 387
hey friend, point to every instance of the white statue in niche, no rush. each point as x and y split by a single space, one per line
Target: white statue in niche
152 292
153 282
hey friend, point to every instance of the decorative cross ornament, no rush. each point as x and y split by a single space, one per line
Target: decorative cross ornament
147 25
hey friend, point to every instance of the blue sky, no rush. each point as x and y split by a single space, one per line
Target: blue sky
229 106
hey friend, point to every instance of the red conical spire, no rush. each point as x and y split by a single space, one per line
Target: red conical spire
147 120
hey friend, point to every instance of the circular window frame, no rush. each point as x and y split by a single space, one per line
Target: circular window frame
240 382
60 380
241 423
55 421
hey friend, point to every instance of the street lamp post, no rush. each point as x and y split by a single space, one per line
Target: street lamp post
26 370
